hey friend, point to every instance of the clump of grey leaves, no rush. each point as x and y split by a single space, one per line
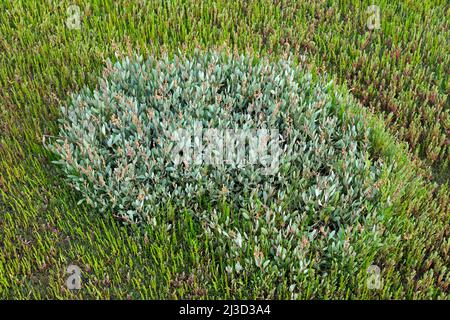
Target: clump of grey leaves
114 148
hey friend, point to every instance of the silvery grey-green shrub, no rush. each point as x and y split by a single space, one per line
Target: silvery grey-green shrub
116 148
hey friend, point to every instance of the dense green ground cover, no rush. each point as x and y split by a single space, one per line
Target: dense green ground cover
398 73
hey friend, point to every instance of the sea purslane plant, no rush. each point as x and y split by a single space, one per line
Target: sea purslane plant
200 130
